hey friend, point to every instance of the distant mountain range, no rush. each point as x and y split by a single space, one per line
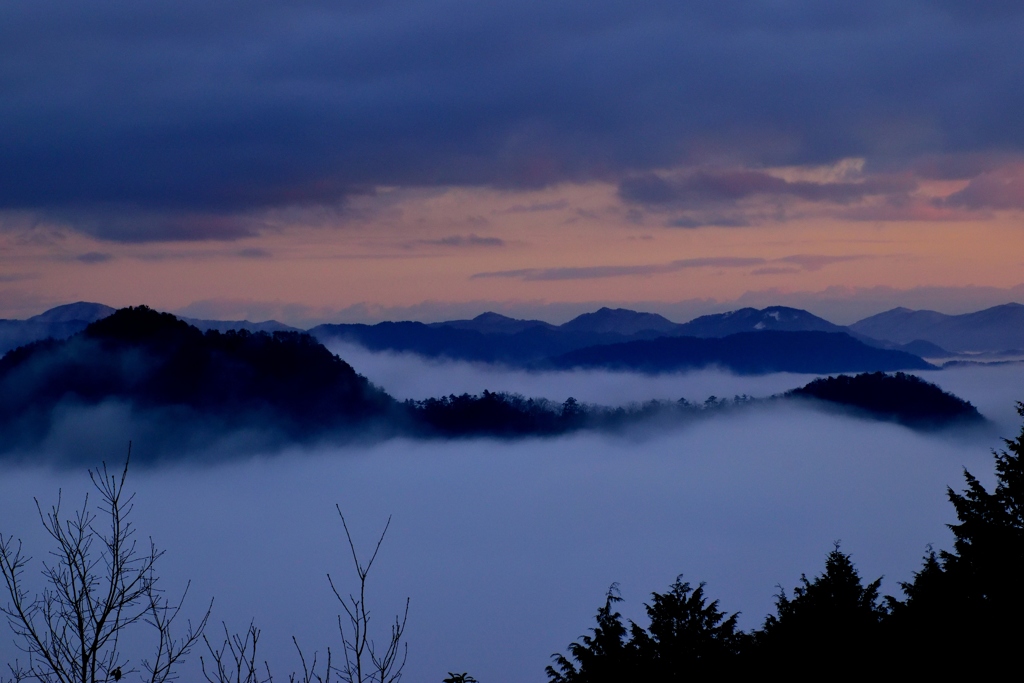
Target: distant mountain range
491 337
57 323
993 330
745 353
288 387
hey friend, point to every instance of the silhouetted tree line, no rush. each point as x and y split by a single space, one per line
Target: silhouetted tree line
504 414
963 612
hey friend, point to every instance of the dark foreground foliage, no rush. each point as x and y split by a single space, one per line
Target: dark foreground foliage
899 396
963 613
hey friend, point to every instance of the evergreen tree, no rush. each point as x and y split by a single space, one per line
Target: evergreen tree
966 606
687 636
834 618
601 658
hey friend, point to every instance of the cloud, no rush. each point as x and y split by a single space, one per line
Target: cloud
703 188
814 262
94 257
713 221
803 261
535 207
595 272
254 253
17 277
774 270
471 240
133 225
186 112
1001 188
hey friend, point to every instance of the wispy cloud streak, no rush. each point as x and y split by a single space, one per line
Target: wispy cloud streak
800 262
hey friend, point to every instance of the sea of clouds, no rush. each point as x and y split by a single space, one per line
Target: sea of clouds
507 548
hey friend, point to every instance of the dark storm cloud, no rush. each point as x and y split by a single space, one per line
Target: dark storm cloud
185 114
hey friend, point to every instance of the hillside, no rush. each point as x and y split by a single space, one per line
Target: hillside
153 361
1000 328
58 323
900 397
779 318
288 387
744 353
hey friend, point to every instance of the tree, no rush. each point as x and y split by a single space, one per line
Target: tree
100 584
459 678
834 618
364 663
601 658
966 605
687 635
235 661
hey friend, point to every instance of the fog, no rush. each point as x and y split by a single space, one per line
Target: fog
506 548
406 375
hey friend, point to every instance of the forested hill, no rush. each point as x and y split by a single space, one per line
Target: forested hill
155 361
290 387
901 397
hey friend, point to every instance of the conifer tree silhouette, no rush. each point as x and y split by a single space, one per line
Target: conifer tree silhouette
834 618
687 636
965 605
601 658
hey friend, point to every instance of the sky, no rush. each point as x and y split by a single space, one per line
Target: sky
353 161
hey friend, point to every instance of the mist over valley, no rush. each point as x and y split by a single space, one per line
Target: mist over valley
506 547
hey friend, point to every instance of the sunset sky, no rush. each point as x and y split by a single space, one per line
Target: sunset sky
355 161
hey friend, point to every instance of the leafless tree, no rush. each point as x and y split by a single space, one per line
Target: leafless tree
235 661
99 583
364 662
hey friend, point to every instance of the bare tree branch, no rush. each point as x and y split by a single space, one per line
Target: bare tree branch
98 584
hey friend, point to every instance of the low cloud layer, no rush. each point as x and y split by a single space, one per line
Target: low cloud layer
176 120
506 550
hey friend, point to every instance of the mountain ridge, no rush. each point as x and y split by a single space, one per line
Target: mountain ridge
285 387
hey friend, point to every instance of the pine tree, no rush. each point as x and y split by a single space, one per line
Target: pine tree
834 618
687 636
965 606
601 658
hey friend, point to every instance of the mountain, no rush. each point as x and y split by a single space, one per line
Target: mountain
83 311
59 323
620 321
170 383
285 382
532 344
744 353
494 323
1000 328
903 398
753 320
64 321
228 325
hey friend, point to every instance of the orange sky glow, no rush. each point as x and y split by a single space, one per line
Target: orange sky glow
396 249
